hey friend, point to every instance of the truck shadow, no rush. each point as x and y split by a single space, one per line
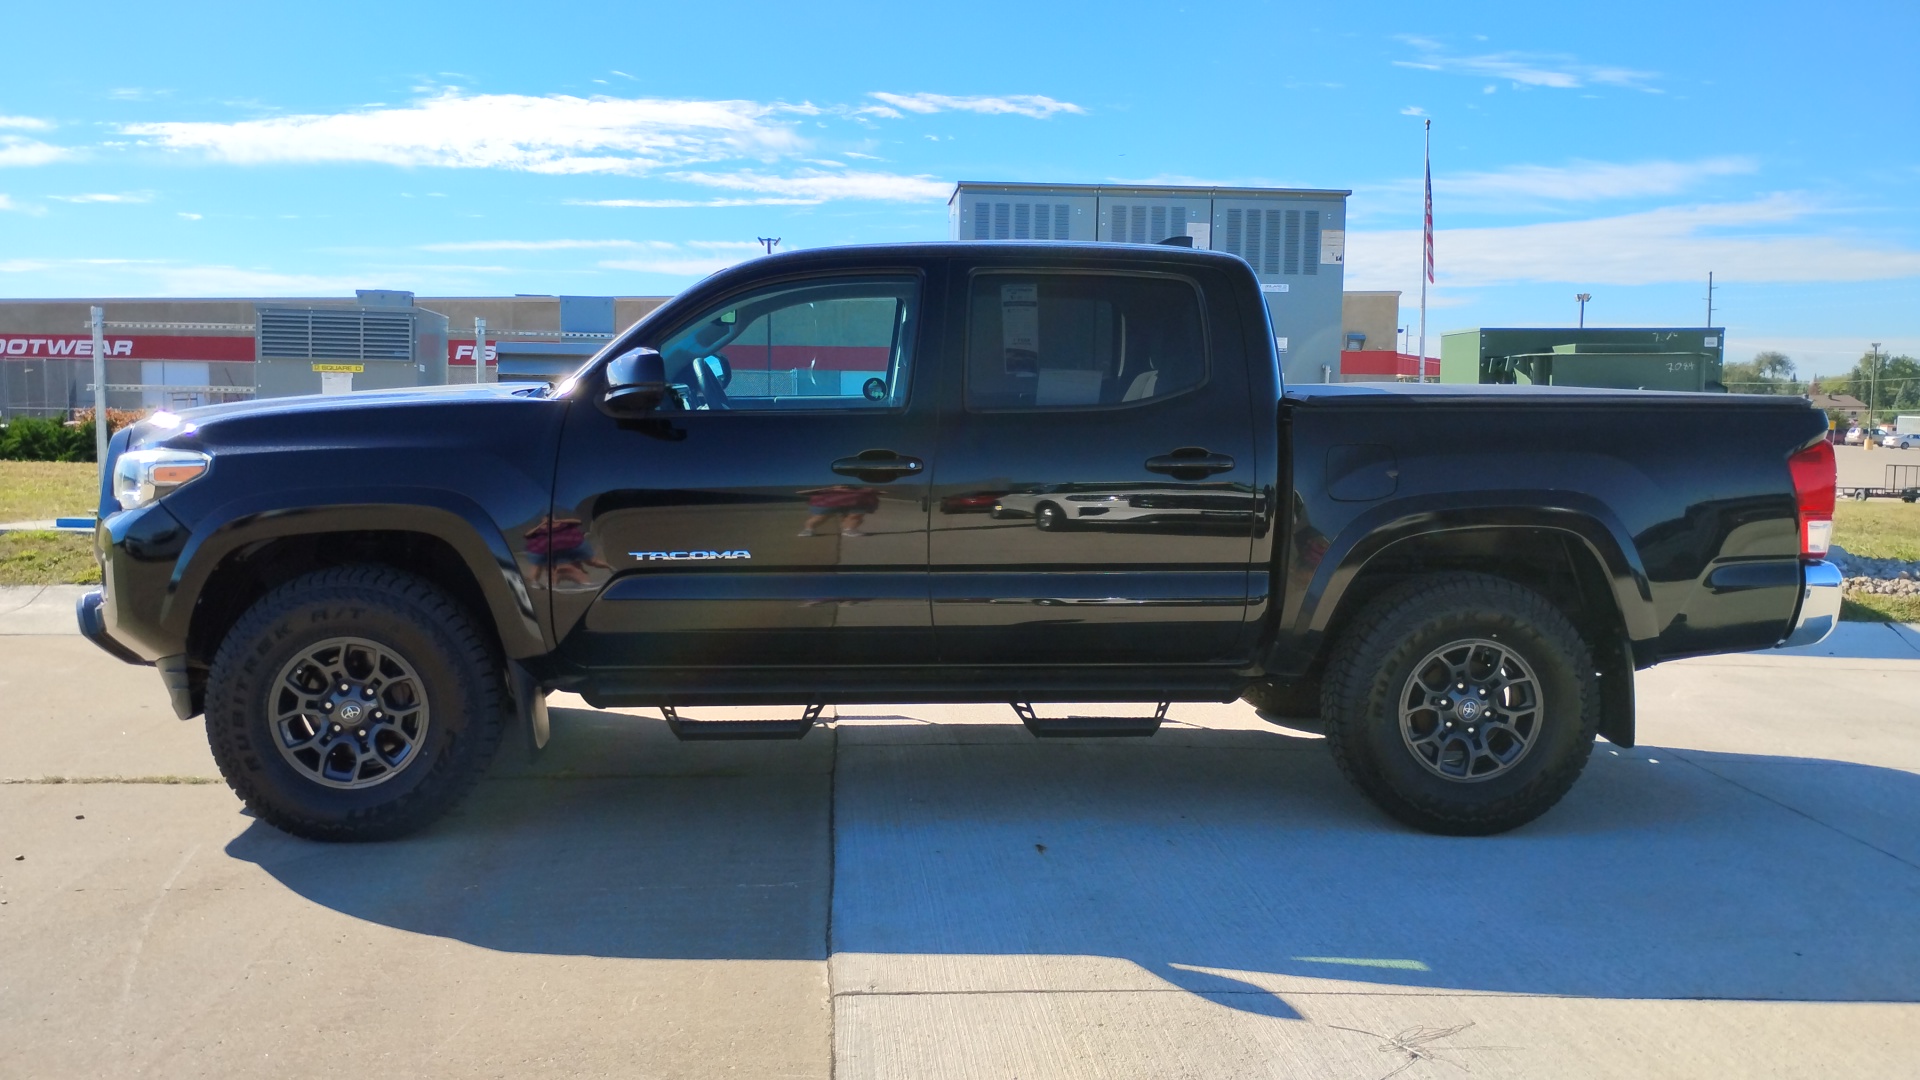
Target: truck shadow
1234 864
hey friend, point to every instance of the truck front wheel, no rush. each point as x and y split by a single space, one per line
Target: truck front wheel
354 703
1462 704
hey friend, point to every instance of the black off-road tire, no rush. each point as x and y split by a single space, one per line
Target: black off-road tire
1373 660
458 665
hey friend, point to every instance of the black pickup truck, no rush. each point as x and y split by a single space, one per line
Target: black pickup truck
952 473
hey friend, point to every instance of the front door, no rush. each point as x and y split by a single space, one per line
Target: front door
1094 498
775 513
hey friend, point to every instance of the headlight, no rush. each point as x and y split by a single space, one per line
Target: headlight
141 476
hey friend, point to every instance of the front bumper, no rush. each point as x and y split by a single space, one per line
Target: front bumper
93 627
1819 605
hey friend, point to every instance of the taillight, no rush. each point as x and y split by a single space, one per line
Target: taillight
1814 472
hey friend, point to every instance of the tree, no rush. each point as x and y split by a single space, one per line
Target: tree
1767 373
1899 384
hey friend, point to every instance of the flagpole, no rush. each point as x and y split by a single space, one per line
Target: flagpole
1426 249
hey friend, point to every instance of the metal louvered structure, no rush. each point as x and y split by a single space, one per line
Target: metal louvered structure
382 342
347 334
1294 239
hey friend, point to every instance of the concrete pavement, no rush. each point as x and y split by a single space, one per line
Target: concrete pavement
925 891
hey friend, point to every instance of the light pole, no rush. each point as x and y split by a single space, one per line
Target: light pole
771 242
1583 298
1873 393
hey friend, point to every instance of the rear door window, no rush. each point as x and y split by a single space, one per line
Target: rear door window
1050 341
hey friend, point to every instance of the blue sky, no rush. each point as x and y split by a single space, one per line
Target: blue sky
1623 150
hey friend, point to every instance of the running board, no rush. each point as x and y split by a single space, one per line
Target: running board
717 730
1089 727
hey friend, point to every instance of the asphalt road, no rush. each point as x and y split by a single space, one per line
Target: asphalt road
1861 466
924 892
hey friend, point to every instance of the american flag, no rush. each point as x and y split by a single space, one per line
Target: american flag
1429 228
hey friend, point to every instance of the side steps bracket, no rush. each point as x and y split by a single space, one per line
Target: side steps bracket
716 730
1088 727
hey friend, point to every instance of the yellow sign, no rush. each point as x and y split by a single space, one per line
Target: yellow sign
339 367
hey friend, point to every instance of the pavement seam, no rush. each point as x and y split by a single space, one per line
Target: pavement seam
1682 755
1437 991
833 840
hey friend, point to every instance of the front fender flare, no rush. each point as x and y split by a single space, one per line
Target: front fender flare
447 516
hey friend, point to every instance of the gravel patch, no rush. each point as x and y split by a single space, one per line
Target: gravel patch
1882 577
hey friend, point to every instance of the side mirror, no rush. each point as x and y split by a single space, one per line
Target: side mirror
636 383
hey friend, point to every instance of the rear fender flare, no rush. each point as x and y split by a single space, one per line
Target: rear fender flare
1583 517
452 518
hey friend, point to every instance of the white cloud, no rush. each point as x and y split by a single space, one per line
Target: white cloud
1678 243
1555 70
16 150
7 203
102 197
164 278
1413 110
816 186
26 123
669 204
693 266
674 261
1590 180
189 216
541 245
1038 106
1826 357
551 134
578 245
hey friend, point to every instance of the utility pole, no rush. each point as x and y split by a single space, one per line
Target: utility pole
771 242
98 323
1583 298
1709 322
1873 392
479 350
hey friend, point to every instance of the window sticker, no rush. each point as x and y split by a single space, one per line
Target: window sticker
1020 328
1333 246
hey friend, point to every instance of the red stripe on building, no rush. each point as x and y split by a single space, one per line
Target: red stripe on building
26 347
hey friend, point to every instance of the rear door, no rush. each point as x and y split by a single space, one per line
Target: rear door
1094 497
777 516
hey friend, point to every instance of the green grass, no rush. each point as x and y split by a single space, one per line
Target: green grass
1868 607
1878 528
39 490
47 558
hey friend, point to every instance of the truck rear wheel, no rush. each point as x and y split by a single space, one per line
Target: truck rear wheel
1462 705
355 703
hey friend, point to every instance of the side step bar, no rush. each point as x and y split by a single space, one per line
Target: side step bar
1088 727
716 730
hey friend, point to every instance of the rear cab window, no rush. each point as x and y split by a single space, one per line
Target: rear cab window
1064 340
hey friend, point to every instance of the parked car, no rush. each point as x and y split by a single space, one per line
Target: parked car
1855 437
1901 442
365 593
1065 506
